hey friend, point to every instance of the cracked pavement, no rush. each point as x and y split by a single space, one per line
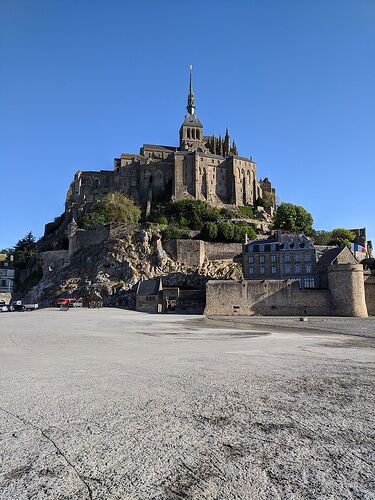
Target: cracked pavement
114 404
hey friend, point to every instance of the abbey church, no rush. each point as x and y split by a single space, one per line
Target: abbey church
201 167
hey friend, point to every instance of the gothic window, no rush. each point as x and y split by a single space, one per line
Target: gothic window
198 134
193 133
188 133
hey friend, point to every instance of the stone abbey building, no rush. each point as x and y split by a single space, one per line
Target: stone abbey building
202 167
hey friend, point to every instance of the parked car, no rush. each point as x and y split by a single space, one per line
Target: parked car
17 306
31 307
65 302
69 302
3 307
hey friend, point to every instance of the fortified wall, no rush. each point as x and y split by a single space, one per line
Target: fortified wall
370 294
345 296
196 252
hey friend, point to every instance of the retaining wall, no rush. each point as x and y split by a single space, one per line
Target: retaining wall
188 252
370 294
222 251
265 297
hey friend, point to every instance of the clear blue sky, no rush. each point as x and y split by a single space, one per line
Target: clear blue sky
82 81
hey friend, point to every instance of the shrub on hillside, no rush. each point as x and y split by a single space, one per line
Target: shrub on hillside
114 208
246 212
226 233
172 232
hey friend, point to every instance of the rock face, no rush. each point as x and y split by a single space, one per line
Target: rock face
110 269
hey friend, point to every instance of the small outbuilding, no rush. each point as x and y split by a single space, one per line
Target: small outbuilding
148 296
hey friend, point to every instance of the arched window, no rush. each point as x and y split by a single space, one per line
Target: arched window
198 134
193 133
188 133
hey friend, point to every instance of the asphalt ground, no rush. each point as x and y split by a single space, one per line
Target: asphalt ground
113 404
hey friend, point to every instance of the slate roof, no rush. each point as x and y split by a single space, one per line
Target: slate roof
192 120
330 255
159 147
149 287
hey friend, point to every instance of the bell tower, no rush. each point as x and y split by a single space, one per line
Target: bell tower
191 131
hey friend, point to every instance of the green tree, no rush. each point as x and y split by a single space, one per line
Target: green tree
304 220
321 237
24 249
209 231
268 199
120 209
293 218
246 212
343 234
174 232
225 231
114 208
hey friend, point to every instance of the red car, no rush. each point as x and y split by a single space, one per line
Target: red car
65 302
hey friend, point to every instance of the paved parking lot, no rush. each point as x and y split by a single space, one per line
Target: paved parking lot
113 404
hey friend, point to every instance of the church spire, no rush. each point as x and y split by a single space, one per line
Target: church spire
191 105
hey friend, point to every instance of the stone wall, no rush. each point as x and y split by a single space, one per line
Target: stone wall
264 297
370 294
222 251
84 239
346 286
189 252
52 260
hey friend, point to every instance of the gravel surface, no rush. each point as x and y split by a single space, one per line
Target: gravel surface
111 404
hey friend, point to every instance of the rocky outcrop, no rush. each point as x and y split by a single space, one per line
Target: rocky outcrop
110 269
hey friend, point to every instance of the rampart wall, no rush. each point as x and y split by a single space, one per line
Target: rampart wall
188 252
344 297
370 294
84 239
222 251
264 297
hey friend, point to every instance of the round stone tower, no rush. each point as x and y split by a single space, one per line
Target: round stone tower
347 289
